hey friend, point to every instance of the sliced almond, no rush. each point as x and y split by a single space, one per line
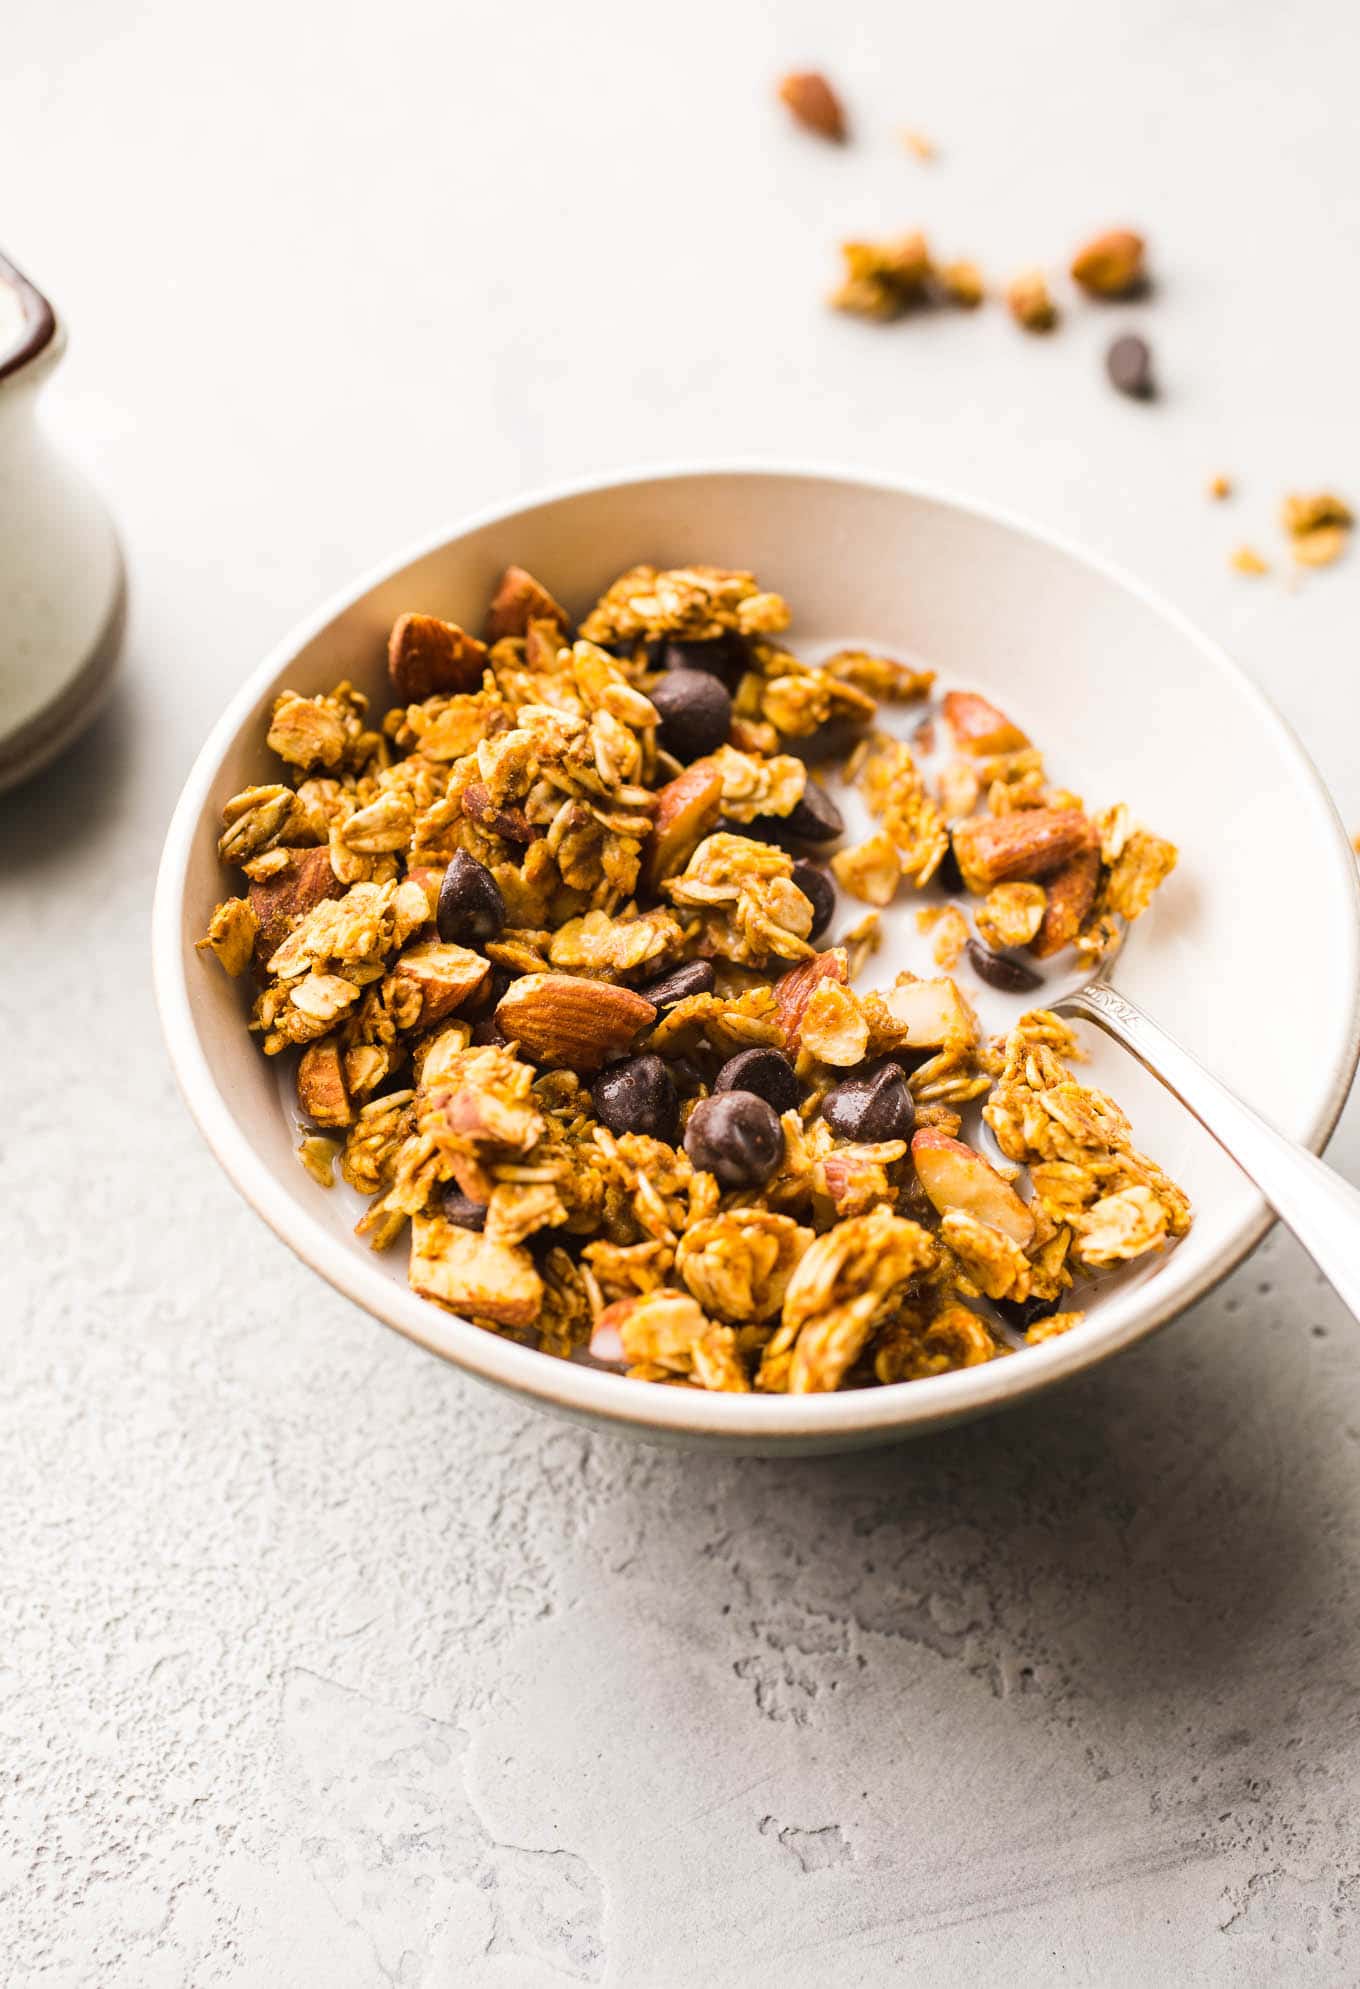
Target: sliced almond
469 1272
955 1177
1030 843
979 727
562 1020
428 658
286 895
1071 892
932 1013
686 809
321 1089
794 990
520 599
443 977
606 1339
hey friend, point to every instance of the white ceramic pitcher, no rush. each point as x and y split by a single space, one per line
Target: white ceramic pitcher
62 589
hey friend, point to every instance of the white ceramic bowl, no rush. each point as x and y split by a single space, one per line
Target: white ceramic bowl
1250 955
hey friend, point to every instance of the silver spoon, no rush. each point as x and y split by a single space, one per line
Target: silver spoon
1320 1208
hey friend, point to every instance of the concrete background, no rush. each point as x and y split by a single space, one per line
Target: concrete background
319 1665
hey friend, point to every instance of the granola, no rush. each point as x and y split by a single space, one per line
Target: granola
546 945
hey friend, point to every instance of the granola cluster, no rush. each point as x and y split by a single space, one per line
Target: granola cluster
548 944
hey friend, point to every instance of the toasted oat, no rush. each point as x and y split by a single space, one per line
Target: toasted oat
1030 302
1247 560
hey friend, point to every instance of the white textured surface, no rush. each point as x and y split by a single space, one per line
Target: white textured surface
319 1665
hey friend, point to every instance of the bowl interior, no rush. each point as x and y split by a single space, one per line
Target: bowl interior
1249 954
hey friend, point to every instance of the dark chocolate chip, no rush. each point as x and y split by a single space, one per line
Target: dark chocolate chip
1129 365
461 1209
949 876
820 892
687 1077
488 1033
637 1096
725 657
737 1137
999 970
872 1104
766 1073
1022 1313
696 713
694 977
814 819
471 908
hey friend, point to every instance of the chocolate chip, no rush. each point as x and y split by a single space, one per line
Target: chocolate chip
768 1074
462 1210
871 1104
999 970
814 819
687 1077
488 1034
949 876
737 1137
694 977
1021 1313
637 1096
724 657
471 908
696 713
1129 365
820 892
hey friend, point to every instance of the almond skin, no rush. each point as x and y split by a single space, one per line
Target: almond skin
814 104
561 1020
1031 843
511 824
686 809
278 902
1111 265
1071 894
979 727
520 599
794 990
429 658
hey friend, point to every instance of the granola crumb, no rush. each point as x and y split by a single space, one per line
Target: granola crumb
1247 560
918 144
1030 302
962 283
1220 487
1318 526
318 1156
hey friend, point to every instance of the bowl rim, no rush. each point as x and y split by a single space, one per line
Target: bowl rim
910 1408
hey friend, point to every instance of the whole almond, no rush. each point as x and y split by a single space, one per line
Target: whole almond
686 809
429 658
1028 844
1071 893
281 899
794 990
1111 265
511 824
814 104
562 1020
520 599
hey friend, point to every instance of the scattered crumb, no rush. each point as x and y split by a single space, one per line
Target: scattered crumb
962 284
1111 265
884 279
1031 303
1319 526
1355 844
1247 560
918 144
1220 487
951 933
814 104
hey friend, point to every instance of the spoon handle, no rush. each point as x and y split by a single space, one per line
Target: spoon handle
1322 1210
